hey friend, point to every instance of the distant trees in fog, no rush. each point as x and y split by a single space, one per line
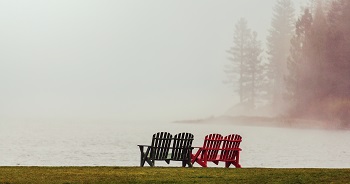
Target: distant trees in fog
262 81
307 70
318 79
245 65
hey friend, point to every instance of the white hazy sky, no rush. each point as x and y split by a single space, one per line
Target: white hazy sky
125 60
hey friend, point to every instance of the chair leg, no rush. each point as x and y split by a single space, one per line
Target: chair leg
152 163
189 164
227 164
142 160
189 159
205 159
184 163
237 165
200 161
149 161
143 156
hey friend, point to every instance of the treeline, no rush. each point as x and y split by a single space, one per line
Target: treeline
307 70
318 80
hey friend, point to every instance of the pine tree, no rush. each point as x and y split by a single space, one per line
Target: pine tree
245 63
255 69
317 54
278 48
344 50
296 63
318 82
238 60
338 60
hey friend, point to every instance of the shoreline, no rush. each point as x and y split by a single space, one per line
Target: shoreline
265 121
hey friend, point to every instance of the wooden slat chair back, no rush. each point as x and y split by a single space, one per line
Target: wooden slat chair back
158 150
160 145
209 151
230 150
212 143
182 148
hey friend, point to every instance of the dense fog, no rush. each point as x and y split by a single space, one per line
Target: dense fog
172 60
119 60
83 82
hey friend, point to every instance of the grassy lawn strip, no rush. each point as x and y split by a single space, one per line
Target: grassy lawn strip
169 175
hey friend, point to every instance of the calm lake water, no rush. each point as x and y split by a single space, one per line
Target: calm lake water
115 144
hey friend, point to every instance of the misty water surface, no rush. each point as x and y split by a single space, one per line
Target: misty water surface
115 144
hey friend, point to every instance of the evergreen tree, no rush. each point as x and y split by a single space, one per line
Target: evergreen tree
295 92
317 54
255 69
282 26
239 52
338 60
245 63
343 50
319 64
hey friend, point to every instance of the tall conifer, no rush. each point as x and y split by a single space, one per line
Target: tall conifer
281 31
245 63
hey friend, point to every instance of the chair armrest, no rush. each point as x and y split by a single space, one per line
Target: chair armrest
181 147
143 145
235 149
197 147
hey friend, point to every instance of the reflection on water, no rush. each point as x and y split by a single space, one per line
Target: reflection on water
115 144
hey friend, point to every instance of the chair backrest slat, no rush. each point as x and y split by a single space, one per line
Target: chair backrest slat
230 147
212 144
182 146
160 145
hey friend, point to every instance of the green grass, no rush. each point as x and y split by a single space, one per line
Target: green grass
65 175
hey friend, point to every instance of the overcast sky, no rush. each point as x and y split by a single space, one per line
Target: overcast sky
124 60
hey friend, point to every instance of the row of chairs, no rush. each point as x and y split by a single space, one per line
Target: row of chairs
216 148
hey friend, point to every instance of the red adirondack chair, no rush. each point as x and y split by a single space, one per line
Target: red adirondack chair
213 143
209 151
230 150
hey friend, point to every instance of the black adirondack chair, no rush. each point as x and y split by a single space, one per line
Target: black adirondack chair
159 149
182 148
